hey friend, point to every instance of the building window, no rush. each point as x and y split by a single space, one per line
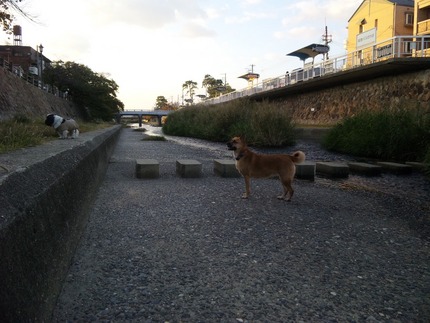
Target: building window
409 19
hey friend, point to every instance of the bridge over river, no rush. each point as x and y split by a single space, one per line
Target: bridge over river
141 113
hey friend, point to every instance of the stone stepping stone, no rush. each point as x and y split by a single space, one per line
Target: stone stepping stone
332 169
365 168
188 168
395 168
225 168
147 168
306 170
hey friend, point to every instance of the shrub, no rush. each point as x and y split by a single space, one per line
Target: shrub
399 135
262 123
272 125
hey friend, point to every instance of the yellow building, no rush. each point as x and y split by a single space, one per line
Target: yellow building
375 21
422 17
422 27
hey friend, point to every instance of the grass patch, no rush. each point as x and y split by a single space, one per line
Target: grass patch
139 129
262 123
22 132
402 135
154 138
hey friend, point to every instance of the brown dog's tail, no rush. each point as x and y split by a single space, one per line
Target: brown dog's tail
298 157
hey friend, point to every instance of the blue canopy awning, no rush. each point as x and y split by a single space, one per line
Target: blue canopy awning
309 51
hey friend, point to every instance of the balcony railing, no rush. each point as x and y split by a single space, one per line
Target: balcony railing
396 47
423 27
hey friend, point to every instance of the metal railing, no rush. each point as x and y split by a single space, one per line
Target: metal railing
396 47
33 80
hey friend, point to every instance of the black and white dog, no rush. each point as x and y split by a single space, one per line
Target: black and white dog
66 128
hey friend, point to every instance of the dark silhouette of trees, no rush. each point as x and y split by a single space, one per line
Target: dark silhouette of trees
6 15
162 104
190 88
215 87
93 93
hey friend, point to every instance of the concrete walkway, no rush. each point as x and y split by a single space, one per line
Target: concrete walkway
177 249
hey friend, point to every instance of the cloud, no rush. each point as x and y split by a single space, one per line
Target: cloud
308 11
148 14
279 35
336 11
251 2
76 46
251 17
191 30
304 34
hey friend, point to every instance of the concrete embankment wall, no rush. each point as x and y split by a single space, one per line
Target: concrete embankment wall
45 195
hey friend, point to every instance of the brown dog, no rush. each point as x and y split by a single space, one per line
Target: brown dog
251 164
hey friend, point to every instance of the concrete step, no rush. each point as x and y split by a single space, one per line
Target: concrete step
365 169
147 168
188 168
332 169
395 168
225 168
417 166
306 170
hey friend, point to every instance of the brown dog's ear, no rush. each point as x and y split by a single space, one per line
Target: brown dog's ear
243 138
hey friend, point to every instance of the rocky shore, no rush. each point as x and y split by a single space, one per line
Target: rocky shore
191 250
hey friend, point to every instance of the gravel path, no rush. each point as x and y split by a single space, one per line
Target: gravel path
191 250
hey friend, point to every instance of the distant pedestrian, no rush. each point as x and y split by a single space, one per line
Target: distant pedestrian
287 78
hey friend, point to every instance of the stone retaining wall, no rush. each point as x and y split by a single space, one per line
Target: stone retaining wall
329 106
19 98
44 210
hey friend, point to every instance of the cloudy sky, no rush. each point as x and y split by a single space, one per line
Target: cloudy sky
151 47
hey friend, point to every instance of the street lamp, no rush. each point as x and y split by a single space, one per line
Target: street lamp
41 63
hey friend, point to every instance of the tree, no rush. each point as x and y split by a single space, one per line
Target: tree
6 17
190 87
212 86
93 93
160 103
215 87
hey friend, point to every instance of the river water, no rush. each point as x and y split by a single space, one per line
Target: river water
413 187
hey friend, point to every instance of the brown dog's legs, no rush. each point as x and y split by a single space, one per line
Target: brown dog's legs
286 184
247 187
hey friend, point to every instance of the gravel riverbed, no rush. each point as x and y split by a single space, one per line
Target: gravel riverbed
191 250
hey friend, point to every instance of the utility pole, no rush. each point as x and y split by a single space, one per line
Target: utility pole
327 39
225 78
